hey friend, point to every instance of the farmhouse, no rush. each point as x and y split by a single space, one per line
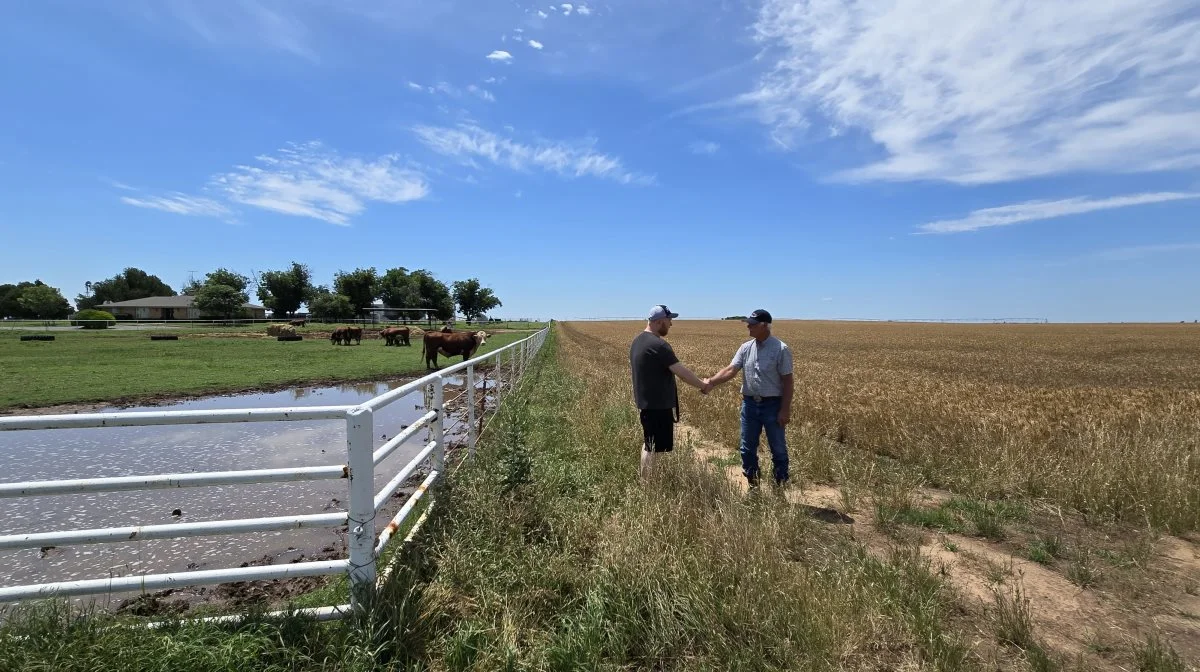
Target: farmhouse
168 308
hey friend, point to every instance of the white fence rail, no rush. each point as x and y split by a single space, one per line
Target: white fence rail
506 365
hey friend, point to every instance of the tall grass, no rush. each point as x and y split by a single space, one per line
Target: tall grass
557 557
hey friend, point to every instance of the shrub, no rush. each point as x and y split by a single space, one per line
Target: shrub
93 319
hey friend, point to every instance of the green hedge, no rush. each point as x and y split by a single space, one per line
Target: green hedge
93 319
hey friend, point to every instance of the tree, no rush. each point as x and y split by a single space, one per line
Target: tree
44 302
221 276
359 286
433 294
9 306
284 291
474 300
329 306
217 300
398 289
132 283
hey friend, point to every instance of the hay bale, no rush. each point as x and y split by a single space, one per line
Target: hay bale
274 329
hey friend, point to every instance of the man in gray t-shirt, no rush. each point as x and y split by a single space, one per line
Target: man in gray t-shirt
767 386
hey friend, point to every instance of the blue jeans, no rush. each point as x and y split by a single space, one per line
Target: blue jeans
757 416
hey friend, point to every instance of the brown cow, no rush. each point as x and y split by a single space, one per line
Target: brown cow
461 343
338 335
353 333
298 322
395 336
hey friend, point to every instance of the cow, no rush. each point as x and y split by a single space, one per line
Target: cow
299 322
395 336
338 335
450 345
353 333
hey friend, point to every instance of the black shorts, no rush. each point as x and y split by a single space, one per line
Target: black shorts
658 426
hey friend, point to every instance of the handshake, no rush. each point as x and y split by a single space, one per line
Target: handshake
707 385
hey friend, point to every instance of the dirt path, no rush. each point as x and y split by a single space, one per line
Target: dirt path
1090 628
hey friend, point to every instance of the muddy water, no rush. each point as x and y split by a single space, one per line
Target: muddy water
127 451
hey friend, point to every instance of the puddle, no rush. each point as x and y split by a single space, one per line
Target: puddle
125 451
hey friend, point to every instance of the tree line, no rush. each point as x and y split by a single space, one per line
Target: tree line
222 294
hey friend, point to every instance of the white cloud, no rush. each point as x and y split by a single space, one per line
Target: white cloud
498 55
567 7
1033 211
827 298
468 143
536 45
543 14
517 194
704 147
415 87
584 10
308 180
980 91
179 204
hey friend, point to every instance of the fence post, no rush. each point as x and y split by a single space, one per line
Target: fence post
360 442
439 402
471 410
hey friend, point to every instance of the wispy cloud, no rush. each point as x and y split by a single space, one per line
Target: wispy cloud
986 91
1141 251
584 10
251 23
543 14
566 8
704 147
1033 211
121 185
179 204
481 93
536 45
308 180
448 89
500 55
469 142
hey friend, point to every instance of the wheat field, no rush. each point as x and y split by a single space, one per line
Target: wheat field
1104 419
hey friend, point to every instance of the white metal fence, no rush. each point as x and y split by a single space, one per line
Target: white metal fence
504 365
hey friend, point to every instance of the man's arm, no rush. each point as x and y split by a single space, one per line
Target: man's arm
724 375
688 377
785 408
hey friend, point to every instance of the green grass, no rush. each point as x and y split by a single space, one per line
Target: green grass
958 516
107 366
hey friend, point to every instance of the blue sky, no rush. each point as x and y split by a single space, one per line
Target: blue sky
902 159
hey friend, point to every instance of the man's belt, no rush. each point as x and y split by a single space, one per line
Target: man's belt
758 398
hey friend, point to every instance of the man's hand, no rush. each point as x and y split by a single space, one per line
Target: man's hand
785 416
707 387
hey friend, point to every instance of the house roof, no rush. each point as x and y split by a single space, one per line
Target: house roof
181 301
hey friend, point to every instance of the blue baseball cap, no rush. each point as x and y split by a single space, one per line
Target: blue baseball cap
660 312
759 316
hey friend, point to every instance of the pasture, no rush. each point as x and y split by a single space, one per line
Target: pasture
124 366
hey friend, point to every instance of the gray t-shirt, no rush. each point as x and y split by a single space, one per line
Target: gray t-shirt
763 366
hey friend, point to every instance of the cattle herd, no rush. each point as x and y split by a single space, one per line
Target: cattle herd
448 342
